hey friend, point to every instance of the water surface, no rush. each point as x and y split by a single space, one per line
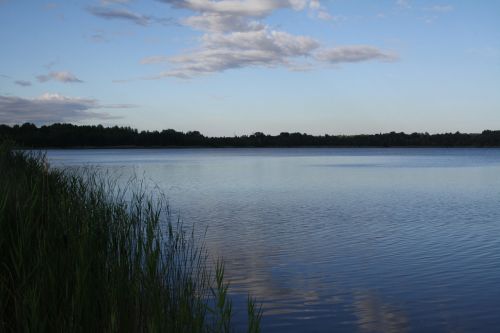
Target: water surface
368 240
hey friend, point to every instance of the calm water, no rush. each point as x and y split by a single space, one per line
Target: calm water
368 240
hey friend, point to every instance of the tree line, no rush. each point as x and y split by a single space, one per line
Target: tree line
69 135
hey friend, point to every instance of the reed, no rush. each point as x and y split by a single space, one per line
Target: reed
79 254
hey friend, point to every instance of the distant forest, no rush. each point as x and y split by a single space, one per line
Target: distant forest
68 135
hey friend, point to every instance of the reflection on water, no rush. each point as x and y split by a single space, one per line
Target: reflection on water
376 316
369 240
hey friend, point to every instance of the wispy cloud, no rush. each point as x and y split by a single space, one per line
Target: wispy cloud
322 15
403 3
485 52
126 15
319 10
98 37
433 13
51 64
107 2
64 77
440 8
50 108
355 53
119 14
50 5
23 83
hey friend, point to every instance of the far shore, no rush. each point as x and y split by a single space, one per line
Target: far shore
251 147
97 137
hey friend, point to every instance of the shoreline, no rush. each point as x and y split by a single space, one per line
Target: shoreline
250 147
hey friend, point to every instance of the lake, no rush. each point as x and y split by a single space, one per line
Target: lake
339 240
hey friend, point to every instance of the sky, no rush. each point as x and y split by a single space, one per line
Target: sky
233 67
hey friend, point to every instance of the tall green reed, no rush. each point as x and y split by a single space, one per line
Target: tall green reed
79 254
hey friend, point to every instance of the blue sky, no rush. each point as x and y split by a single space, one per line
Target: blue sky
238 66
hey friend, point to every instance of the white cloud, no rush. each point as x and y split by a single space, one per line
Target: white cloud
235 37
314 4
319 10
50 108
215 22
220 52
248 8
253 8
64 76
355 53
278 42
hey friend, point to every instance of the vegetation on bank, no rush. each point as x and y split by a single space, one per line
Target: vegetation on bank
68 135
78 255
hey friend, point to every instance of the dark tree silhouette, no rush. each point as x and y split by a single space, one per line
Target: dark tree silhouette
68 135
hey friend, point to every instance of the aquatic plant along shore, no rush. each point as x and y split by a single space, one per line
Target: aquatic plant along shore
80 255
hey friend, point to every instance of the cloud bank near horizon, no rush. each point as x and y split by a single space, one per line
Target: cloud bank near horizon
53 107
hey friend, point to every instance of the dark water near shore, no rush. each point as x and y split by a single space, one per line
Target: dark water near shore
368 240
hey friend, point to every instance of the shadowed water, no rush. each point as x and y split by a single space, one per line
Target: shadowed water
369 240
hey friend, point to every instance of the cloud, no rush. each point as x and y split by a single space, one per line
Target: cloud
51 64
314 4
98 37
325 16
220 52
263 49
403 3
64 76
228 10
50 108
50 5
253 8
119 14
432 12
355 53
277 42
126 15
235 37
23 83
106 2
319 11
214 22
485 52
440 8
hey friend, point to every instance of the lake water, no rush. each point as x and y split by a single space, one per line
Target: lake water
340 240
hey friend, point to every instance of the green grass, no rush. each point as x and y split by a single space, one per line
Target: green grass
79 255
